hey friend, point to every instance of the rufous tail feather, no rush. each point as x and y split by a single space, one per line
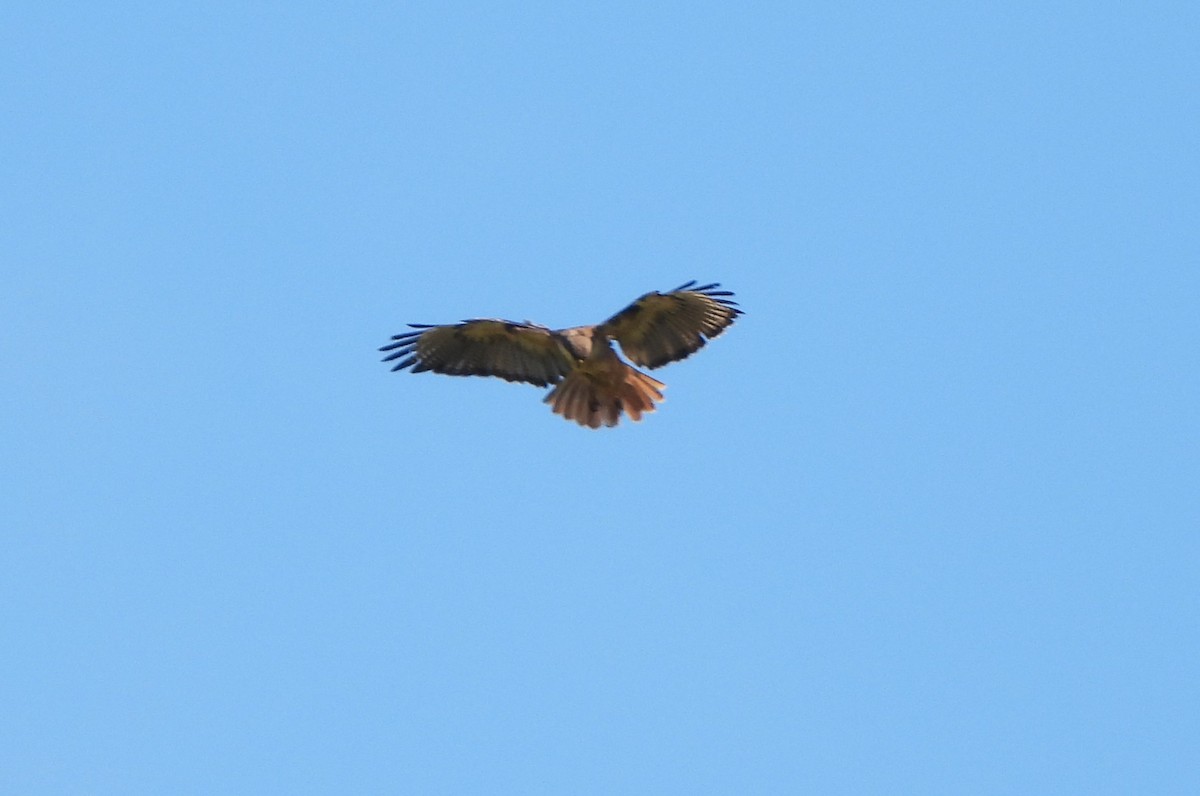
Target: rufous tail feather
597 398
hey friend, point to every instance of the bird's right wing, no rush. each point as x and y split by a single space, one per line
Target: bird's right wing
484 347
665 327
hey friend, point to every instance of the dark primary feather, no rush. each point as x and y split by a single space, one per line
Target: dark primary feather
483 347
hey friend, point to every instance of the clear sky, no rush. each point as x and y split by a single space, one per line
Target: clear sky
925 520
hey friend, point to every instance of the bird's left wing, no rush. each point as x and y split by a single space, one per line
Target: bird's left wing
664 327
484 347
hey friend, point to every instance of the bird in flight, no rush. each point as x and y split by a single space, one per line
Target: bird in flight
592 385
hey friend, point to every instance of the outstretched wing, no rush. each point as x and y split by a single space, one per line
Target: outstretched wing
483 347
664 327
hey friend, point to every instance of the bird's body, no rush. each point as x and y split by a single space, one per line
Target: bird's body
592 384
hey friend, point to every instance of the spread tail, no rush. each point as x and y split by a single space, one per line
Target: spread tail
596 396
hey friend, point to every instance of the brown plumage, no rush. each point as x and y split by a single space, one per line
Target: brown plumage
593 386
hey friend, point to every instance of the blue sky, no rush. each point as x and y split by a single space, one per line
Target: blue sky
924 521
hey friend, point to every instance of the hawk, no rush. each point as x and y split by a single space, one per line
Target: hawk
592 385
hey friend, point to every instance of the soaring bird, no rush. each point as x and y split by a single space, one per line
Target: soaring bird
592 385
